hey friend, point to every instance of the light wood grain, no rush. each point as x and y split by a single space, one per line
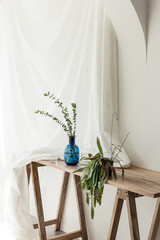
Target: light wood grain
132 215
41 223
62 201
28 169
46 223
68 236
116 215
38 201
81 208
137 180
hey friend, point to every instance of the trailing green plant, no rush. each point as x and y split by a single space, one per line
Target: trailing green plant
70 126
98 171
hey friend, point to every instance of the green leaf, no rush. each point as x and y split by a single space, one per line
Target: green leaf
104 181
100 193
87 185
73 105
79 170
97 155
83 186
99 146
100 162
94 183
46 94
92 207
87 198
101 172
89 155
85 158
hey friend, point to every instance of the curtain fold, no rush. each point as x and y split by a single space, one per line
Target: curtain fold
67 47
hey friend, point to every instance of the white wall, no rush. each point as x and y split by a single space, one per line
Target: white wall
139 96
139 87
138 80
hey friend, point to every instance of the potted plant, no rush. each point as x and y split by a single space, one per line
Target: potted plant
98 170
71 153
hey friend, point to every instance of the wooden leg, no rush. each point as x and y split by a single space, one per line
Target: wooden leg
28 169
38 201
81 208
62 201
155 222
132 215
116 215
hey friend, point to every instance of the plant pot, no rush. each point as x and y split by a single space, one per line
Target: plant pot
71 153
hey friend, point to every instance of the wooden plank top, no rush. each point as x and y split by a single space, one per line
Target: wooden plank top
138 180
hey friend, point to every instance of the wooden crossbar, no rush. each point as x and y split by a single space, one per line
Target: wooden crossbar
68 236
46 223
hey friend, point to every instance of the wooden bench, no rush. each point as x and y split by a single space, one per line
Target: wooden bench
137 182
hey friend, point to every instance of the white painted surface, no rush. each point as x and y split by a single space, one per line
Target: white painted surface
138 81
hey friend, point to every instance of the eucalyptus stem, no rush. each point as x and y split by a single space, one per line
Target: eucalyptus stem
70 126
64 111
53 118
74 117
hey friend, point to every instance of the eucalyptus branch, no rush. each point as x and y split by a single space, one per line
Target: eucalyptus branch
54 118
64 111
70 126
74 117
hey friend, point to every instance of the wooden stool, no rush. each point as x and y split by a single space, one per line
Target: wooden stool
33 169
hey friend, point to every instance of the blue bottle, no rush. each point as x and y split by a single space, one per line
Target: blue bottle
71 153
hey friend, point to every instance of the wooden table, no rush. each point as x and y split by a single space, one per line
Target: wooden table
137 182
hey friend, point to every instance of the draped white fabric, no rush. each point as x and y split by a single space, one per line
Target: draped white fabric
67 47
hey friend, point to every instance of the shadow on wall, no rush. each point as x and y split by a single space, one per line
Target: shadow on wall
141 8
129 17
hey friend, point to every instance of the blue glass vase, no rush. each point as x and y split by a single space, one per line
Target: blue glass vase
71 153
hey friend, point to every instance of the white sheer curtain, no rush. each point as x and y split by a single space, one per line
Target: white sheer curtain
67 47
